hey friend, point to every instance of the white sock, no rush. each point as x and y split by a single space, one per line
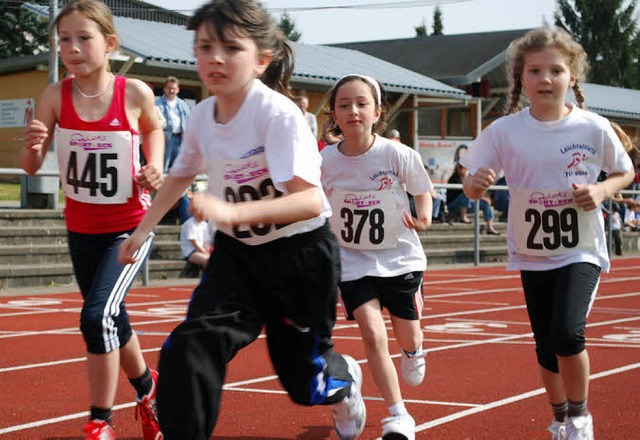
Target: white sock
398 409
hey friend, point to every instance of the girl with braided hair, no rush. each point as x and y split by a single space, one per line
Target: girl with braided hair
552 153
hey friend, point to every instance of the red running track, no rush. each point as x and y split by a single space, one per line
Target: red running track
481 381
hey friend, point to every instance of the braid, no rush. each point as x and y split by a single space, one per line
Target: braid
514 96
536 40
579 94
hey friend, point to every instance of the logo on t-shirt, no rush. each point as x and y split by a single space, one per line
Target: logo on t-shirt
253 152
579 155
114 122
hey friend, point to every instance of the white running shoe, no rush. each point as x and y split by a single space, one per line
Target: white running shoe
413 367
401 427
557 430
350 415
580 428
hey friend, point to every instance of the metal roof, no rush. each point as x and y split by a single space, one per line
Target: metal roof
168 45
457 59
613 102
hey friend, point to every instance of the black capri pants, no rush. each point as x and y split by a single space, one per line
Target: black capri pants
558 303
289 286
104 284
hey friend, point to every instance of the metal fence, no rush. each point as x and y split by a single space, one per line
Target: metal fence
476 235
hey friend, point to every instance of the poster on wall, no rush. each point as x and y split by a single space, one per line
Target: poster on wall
16 112
437 156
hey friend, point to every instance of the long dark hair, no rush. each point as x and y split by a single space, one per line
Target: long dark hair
229 16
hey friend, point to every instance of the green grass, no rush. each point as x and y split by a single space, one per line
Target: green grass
9 191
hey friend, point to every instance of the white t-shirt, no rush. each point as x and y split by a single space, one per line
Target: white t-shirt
541 161
192 230
251 157
616 221
368 196
174 114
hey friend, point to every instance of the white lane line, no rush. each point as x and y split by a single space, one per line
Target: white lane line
39 423
71 330
512 399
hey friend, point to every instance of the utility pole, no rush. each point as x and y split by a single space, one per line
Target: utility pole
41 192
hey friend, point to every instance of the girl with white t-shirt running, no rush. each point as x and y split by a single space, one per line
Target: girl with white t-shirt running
552 154
276 263
367 177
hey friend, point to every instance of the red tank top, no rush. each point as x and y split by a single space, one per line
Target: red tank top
99 218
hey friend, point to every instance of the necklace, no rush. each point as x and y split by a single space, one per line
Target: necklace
95 95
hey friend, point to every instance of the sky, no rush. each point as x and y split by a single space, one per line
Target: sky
366 20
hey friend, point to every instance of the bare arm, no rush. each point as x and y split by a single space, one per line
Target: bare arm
39 132
588 197
302 203
424 209
150 127
167 195
198 246
475 185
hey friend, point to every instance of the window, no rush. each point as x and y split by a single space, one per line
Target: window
429 122
459 122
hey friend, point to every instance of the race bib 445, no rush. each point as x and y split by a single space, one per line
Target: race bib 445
96 167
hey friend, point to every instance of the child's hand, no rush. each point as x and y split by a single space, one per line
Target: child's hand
150 177
128 248
206 206
588 197
414 223
483 179
35 135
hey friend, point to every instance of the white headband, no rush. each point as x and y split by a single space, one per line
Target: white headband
372 82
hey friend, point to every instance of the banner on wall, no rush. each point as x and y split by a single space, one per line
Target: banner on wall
16 112
437 156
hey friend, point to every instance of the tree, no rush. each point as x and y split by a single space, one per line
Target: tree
421 31
609 34
21 33
438 26
288 27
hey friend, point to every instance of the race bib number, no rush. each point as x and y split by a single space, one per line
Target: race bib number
365 220
247 180
96 167
548 223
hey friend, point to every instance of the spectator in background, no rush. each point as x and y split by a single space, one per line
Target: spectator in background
622 203
328 137
195 240
460 151
439 197
459 203
303 103
394 135
501 199
176 112
632 219
616 227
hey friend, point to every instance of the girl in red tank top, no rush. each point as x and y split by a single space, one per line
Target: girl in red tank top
99 117
92 185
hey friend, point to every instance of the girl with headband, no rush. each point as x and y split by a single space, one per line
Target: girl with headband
366 178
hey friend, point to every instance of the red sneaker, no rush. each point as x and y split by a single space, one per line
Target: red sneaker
146 410
99 430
